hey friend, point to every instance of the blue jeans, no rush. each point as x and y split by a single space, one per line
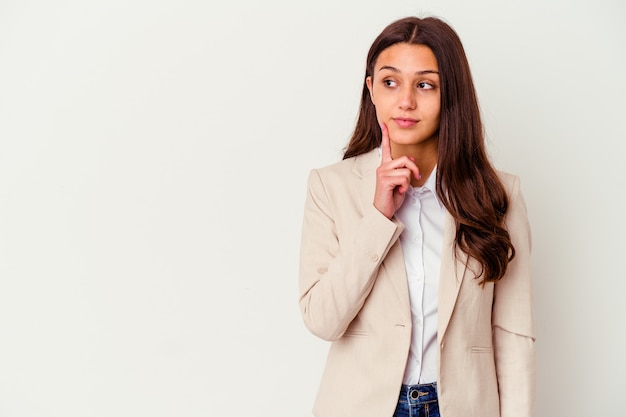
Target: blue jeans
418 401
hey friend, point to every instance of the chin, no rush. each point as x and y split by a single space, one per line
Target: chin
407 139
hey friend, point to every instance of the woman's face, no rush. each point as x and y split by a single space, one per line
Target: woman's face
404 88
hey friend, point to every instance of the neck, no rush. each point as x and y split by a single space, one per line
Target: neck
424 154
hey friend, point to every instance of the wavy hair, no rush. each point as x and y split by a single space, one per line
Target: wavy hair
467 183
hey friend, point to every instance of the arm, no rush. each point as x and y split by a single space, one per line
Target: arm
337 272
512 318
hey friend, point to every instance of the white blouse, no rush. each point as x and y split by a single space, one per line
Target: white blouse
422 241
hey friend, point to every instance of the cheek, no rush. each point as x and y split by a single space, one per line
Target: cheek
435 117
380 118
383 104
437 113
379 109
436 110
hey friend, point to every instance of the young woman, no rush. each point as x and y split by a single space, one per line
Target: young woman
415 256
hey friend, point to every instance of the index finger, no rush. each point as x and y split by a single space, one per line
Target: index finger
385 145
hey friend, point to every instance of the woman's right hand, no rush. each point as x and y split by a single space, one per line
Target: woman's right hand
393 178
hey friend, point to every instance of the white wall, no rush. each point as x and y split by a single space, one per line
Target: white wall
153 158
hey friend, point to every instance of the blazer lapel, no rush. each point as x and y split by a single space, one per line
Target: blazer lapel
365 167
453 270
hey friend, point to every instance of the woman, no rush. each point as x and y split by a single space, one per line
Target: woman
415 256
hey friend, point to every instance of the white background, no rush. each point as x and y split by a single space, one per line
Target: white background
153 160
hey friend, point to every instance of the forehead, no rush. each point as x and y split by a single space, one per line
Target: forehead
407 57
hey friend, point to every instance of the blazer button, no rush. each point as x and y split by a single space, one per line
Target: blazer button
373 257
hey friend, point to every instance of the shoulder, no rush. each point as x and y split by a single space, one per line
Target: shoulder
511 183
341 167
350 169
517 215
343 182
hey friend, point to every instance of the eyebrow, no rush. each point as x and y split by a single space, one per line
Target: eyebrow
394 69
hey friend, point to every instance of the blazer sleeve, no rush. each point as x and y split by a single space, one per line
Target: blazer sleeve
341 251
512 318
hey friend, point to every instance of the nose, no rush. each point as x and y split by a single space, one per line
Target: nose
407 98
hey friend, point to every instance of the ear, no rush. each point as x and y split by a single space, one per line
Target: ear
368 82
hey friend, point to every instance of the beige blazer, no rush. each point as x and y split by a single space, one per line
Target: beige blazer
354 292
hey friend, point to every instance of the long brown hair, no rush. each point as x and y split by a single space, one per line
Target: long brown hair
467 183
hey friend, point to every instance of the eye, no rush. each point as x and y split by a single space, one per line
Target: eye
425 85
389 83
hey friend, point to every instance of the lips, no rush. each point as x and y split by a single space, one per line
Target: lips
405 122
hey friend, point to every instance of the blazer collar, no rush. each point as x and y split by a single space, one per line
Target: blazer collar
453 271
